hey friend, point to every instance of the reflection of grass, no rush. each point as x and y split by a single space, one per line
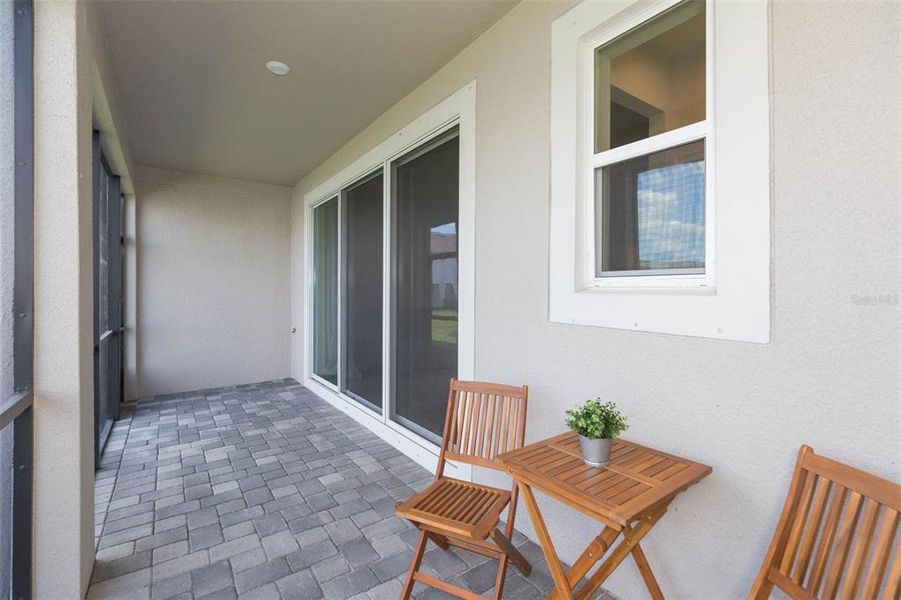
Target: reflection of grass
444 326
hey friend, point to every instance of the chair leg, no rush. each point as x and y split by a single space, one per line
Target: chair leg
500 578
414 565
510 550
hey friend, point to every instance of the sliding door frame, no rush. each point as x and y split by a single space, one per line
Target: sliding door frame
108 347
455 112
432 142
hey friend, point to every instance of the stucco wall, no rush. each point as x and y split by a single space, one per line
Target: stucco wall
63 304
830 377
212 264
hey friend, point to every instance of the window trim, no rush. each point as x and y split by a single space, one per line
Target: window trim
589 161
455 111
738 306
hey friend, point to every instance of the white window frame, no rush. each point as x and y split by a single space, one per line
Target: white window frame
702 130
458 110
731 299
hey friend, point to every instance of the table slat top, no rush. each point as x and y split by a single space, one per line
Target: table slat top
636 479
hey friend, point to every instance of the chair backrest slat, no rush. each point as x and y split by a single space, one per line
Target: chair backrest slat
881 550
824 547
861 546
797 529
842 543
836 535
500 426
483 421
813 527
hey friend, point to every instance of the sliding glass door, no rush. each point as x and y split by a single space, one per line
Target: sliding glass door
420 216
362 348
426 204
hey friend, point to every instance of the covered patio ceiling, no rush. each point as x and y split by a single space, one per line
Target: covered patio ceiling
196 97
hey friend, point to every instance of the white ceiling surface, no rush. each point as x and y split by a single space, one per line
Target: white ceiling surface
196 96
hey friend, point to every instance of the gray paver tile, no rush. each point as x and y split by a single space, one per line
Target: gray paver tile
348 585
119 586
269 524
312 554
279 544
342 531
180 565
108 569
204 537
114 552
391 566
211 578
169 551
261 575
299 585
161 539
387 591
248 559
165 589
224 594
358 552
330 568
266 592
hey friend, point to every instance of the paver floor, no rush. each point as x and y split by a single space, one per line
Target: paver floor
265 491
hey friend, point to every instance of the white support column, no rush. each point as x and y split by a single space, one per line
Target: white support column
63 354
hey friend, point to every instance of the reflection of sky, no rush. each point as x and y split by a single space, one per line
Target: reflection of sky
671 216
447 229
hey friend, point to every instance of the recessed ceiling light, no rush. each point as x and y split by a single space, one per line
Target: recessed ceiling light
277 67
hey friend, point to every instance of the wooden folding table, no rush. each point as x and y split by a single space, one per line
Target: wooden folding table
628 497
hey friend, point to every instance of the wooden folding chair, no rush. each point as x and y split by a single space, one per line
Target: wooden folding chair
836 534
483 420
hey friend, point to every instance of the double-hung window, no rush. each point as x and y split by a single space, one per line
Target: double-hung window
648 162
660 168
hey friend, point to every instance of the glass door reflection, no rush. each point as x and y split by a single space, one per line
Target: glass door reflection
425 262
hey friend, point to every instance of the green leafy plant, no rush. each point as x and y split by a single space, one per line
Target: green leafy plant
596 420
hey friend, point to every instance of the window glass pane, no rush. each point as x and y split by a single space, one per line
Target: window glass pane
363 225
651 79
325 291
651 212
426 194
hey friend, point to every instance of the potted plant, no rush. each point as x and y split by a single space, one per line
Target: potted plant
597 423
